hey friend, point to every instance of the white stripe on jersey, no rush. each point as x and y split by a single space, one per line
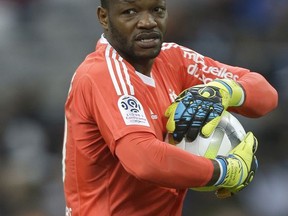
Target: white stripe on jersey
111 71
124 88
127 76
115 62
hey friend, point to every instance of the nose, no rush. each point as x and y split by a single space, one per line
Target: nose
147 21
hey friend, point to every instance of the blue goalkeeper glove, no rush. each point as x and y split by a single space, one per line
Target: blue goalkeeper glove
199 109
237 169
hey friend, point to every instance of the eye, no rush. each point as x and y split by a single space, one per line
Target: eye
129 12
160 10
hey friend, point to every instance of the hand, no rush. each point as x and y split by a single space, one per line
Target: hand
238 168
200 108
222 193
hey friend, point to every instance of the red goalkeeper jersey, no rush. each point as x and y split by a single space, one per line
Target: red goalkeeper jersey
110 104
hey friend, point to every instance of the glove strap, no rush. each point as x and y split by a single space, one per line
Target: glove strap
223 170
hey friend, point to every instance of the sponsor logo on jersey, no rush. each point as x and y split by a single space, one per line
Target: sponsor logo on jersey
199 69
153 115
132 111
195 71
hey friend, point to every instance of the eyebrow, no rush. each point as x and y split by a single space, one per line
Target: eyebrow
127 1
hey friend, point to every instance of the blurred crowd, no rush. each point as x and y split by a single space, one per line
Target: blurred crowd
43 41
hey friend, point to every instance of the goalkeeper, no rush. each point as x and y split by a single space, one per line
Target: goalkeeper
116 160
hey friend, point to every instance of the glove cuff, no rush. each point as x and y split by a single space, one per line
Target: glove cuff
236 92
223 170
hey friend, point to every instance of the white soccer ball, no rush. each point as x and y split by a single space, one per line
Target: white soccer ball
228 134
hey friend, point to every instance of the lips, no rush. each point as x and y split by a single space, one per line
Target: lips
148 40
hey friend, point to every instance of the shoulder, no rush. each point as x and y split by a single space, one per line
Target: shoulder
175 50
106 70
97 64
170 47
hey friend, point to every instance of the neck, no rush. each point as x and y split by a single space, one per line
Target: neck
144 67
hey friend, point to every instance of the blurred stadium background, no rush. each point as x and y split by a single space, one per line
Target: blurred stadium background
43 41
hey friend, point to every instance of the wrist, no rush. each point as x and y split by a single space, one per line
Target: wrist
217 173
222 170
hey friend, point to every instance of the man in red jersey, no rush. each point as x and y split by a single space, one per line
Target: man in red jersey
115 158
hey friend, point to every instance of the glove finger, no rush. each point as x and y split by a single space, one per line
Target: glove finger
209 127
171 108
181 121
181 131
197 126
251 174
196 123
170 113
192 133
247 145
199 120
251 143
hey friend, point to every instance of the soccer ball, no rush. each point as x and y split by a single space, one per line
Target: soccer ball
228 134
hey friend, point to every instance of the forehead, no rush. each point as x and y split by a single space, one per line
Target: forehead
137 2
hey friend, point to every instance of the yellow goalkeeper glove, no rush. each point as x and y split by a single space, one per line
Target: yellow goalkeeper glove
241 165
199 108
237 169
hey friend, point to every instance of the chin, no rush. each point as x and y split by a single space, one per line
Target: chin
148 54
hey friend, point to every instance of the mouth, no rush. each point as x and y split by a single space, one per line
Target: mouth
148 40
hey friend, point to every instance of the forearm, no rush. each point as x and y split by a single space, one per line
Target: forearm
151 160
260 97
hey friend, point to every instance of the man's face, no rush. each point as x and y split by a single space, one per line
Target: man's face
136 28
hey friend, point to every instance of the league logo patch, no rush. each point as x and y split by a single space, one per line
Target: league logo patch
132 111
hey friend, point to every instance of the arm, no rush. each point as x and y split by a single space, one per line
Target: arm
260 97
199 108
149 159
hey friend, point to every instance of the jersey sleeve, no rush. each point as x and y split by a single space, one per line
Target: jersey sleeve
194 68
149 159
261 97
116 115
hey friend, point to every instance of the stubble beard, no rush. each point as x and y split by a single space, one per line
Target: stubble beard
126 49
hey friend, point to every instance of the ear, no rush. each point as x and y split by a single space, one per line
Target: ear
102 15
